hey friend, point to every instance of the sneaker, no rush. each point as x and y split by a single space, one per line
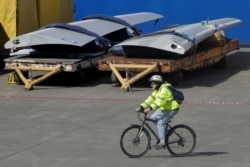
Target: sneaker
159 146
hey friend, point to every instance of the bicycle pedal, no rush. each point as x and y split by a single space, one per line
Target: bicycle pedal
159 147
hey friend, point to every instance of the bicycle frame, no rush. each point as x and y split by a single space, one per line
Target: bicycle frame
152 131
148 127
176 138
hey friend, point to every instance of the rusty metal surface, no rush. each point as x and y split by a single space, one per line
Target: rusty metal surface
45 64
204 57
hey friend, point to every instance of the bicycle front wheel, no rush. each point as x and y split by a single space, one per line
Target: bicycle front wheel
135 142
181 140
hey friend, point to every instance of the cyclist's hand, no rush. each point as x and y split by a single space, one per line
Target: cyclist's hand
147 110
139 109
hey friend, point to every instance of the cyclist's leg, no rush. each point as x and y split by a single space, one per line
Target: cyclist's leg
162 118
169 116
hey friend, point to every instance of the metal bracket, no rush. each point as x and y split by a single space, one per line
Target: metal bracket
127 82
30 81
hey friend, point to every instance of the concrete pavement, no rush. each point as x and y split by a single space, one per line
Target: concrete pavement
75 126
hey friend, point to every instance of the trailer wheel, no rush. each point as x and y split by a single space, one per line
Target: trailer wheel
82 77
17 79
113 77
114 80
175 78
221 64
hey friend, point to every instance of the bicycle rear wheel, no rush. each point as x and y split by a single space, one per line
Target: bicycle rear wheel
181 140
135 142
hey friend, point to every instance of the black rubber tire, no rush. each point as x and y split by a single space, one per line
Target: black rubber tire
222 64
181 140
175 78
132 145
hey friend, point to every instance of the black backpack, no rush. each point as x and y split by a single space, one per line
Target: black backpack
177 94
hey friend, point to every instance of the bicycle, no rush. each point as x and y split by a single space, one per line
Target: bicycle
135 140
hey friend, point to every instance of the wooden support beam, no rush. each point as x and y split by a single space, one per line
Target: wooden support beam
146 69
29 82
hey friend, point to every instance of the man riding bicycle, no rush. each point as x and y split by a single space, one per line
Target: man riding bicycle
162 102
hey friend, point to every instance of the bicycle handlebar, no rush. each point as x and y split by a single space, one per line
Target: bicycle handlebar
142 111
145 116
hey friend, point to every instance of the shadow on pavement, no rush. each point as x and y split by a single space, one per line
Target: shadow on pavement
194 154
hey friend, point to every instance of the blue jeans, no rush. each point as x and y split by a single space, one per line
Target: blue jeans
163 117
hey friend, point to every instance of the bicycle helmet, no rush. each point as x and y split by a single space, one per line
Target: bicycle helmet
156 79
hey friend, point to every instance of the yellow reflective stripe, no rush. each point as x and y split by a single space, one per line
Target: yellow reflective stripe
147 104
157 106
161 98
153 97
